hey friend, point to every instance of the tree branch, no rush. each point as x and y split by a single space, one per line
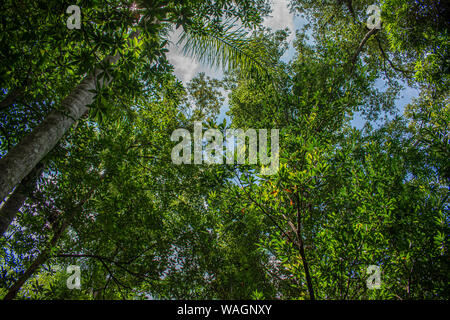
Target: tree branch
361 46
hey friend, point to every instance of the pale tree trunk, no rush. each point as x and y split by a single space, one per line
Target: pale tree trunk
22 158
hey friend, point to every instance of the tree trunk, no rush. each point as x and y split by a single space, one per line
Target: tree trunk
41 258
10 98
306 269
45 254
10 207
23 157
301 249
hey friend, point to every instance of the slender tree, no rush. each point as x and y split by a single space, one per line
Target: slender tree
24 156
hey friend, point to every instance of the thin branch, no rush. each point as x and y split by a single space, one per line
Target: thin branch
406 73
361 46
265 212
103 259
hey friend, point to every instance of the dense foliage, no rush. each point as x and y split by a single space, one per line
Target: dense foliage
109 199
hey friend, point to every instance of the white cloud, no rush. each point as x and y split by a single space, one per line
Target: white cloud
186 68
280 17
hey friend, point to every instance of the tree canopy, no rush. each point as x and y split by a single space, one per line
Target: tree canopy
87 178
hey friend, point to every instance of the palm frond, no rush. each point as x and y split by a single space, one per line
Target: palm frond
226 47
